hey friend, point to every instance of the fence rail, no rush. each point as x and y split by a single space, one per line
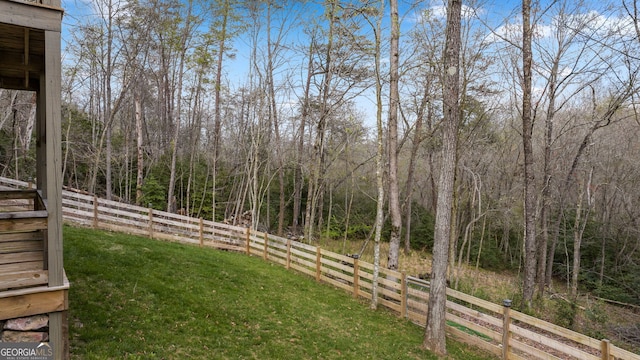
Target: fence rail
495 328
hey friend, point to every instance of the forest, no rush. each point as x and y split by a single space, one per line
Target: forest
280 113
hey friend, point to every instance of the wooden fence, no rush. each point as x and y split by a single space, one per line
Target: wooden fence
495 328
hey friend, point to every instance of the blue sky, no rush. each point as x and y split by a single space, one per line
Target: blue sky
498 15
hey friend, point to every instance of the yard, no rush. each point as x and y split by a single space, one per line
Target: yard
136 298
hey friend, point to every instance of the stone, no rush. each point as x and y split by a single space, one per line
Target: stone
27 323
24 336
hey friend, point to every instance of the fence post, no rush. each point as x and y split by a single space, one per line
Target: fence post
506 321
288 254
266 247
605 346
95 212
150 222
356 278
201 232
318 263
248 239
403 295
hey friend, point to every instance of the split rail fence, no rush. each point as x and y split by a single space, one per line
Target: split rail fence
498 329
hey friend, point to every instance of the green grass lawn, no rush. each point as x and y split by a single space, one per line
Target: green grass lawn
136 298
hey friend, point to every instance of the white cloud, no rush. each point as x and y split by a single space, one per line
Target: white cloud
439 12
592 22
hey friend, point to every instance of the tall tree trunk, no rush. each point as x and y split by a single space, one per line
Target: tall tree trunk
108 114
379 164
435 339
139 143
299 179
394 99
417 140
217 122
530 247
176 116
578 231
273 111
317 162
541 277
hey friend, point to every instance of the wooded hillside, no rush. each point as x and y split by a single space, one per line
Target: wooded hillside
265 113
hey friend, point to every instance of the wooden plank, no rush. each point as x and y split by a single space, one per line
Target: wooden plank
104 219
421 294
19 267
33 304
551 343
475 327
30 15
474 314
59 332
279 261
50 95
336 283
417 307
121 213
338 275
389 294
79 214
297 254
473 340
22 257
21 236
555 329
474 300
356 278
388 304
17 194
18 215
77 197
277 253
21 246
174 224
23 279
13 183
537 353
622 353
303 269
390 283
311 265
337 257
337 266
73 205
418 319
403 296
303 246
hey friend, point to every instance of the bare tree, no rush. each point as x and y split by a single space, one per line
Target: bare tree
530 247
435 339
392 145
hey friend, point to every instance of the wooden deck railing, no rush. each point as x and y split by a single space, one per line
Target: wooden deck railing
23 225
496 328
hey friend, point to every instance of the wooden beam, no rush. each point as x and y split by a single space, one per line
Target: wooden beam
17 194
26 56
59 334
12 60
22 224
31 15
13 83
23 279
33 303
52 190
